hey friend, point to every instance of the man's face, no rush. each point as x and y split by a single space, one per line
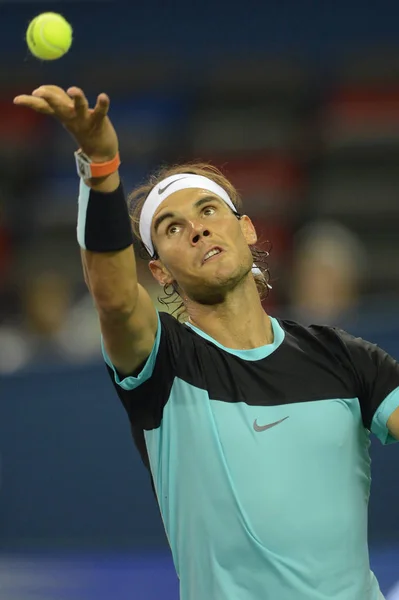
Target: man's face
202 246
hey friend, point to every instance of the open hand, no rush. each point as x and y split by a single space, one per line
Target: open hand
90 127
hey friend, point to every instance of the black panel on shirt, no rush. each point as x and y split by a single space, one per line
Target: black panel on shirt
312 363
376 372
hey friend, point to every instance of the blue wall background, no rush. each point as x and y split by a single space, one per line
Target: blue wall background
309 29
69 469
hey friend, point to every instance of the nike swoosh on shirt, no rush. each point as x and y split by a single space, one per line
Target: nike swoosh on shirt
161 190
269 426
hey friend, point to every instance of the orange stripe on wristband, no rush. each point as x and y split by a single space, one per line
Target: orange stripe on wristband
106 168
88 169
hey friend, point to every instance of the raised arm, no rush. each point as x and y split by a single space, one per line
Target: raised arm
127 316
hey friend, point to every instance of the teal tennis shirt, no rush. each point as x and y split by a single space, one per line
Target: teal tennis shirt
260 458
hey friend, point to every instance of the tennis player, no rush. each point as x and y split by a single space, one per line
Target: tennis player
255 430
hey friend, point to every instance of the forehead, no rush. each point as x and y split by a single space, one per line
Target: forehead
183 200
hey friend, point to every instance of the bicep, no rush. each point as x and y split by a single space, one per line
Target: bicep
128 339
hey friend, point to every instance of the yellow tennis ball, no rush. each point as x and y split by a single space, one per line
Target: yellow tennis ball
49 36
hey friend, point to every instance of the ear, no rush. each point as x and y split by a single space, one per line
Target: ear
160 273
248 230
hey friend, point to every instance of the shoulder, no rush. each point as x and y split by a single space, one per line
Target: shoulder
333 346
332 339
171 323
174 333
314 330
371 372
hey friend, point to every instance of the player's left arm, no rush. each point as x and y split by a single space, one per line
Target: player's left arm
376 385
393 424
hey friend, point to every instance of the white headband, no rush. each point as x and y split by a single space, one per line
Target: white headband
169 186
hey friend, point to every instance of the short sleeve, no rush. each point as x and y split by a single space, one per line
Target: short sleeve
376 376
145 394
133 381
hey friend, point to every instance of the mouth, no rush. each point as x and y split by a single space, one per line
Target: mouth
212 253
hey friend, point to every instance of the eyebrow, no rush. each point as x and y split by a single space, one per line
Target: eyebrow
197 204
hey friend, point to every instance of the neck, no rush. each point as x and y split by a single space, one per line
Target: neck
238 322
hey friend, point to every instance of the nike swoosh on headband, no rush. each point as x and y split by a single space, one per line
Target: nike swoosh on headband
162 190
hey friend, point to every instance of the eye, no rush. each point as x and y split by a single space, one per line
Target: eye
173 229
209 210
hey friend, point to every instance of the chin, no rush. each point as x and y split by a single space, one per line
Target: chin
213 288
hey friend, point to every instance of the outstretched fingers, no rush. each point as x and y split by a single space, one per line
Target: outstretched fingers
40 105
80 101
101 108
62 105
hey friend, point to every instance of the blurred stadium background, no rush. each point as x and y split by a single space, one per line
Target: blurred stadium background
299 102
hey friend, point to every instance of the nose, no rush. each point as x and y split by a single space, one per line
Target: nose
198 231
